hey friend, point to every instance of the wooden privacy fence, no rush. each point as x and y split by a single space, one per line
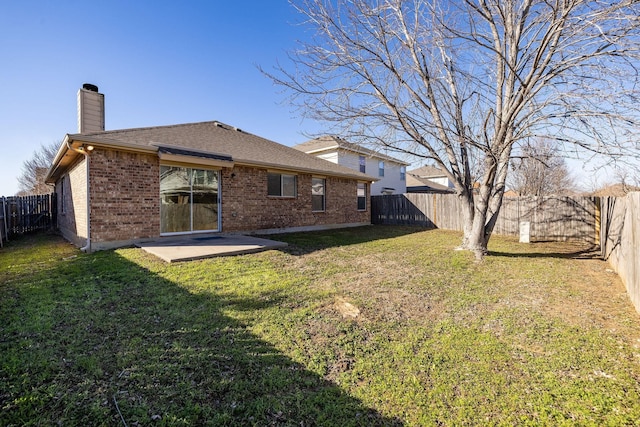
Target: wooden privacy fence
550 217
613 223
620 240
23 214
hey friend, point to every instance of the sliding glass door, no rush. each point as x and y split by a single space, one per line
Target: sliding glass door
189 200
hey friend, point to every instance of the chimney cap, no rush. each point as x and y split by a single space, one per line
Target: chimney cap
91 87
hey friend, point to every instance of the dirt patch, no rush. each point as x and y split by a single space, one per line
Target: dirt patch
348 310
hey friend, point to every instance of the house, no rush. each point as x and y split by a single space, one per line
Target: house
423 185
391 173
428 179
119 187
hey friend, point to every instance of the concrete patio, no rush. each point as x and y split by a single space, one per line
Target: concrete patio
187 248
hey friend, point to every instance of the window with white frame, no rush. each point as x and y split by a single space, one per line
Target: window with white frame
281 185
362 196
363 164
381 168
318 201
403 173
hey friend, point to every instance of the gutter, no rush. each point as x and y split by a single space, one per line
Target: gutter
325 172
86 248
93 141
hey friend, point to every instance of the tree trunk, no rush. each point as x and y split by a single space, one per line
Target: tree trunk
468 214
479 208
477 239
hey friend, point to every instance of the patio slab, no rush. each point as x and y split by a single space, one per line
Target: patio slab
187 248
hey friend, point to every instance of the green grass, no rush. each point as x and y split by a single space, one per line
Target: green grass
537 334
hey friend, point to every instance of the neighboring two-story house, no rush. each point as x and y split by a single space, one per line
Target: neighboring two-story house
391 173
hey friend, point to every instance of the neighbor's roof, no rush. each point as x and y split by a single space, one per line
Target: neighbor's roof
424 185
427 172
207 140
329 142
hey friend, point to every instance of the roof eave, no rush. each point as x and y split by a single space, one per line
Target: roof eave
276 166
321 149
372 154
96 142
62 150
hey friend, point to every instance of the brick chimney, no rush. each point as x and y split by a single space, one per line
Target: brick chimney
90 109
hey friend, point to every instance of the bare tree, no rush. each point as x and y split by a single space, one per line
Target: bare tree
34 170
464 81
629 180
539 170
622 183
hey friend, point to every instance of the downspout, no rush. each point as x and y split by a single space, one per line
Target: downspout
86 248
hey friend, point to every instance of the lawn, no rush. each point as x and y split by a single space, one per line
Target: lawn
367 326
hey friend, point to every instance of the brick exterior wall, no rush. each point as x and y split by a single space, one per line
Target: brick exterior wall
125 195
72 203
125 200
246 205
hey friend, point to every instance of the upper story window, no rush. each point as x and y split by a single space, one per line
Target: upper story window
381 168
281 185
318 194
204 178
403 173
363 164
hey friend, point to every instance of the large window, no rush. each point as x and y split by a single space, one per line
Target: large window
362 197
317 194
188 199
381 168
281 185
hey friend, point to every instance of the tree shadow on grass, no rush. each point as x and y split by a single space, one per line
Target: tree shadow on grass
569 251
100 340
303 243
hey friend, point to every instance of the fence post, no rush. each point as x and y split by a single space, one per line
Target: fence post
435 210
3 225
598 219
4 216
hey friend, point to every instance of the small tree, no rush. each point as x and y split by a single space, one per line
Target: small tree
540 171
34 170
457 81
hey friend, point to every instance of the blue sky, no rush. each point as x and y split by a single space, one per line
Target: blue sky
157 63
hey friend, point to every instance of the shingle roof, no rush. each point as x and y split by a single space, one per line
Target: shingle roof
427 172
330 142
318 144
219 139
